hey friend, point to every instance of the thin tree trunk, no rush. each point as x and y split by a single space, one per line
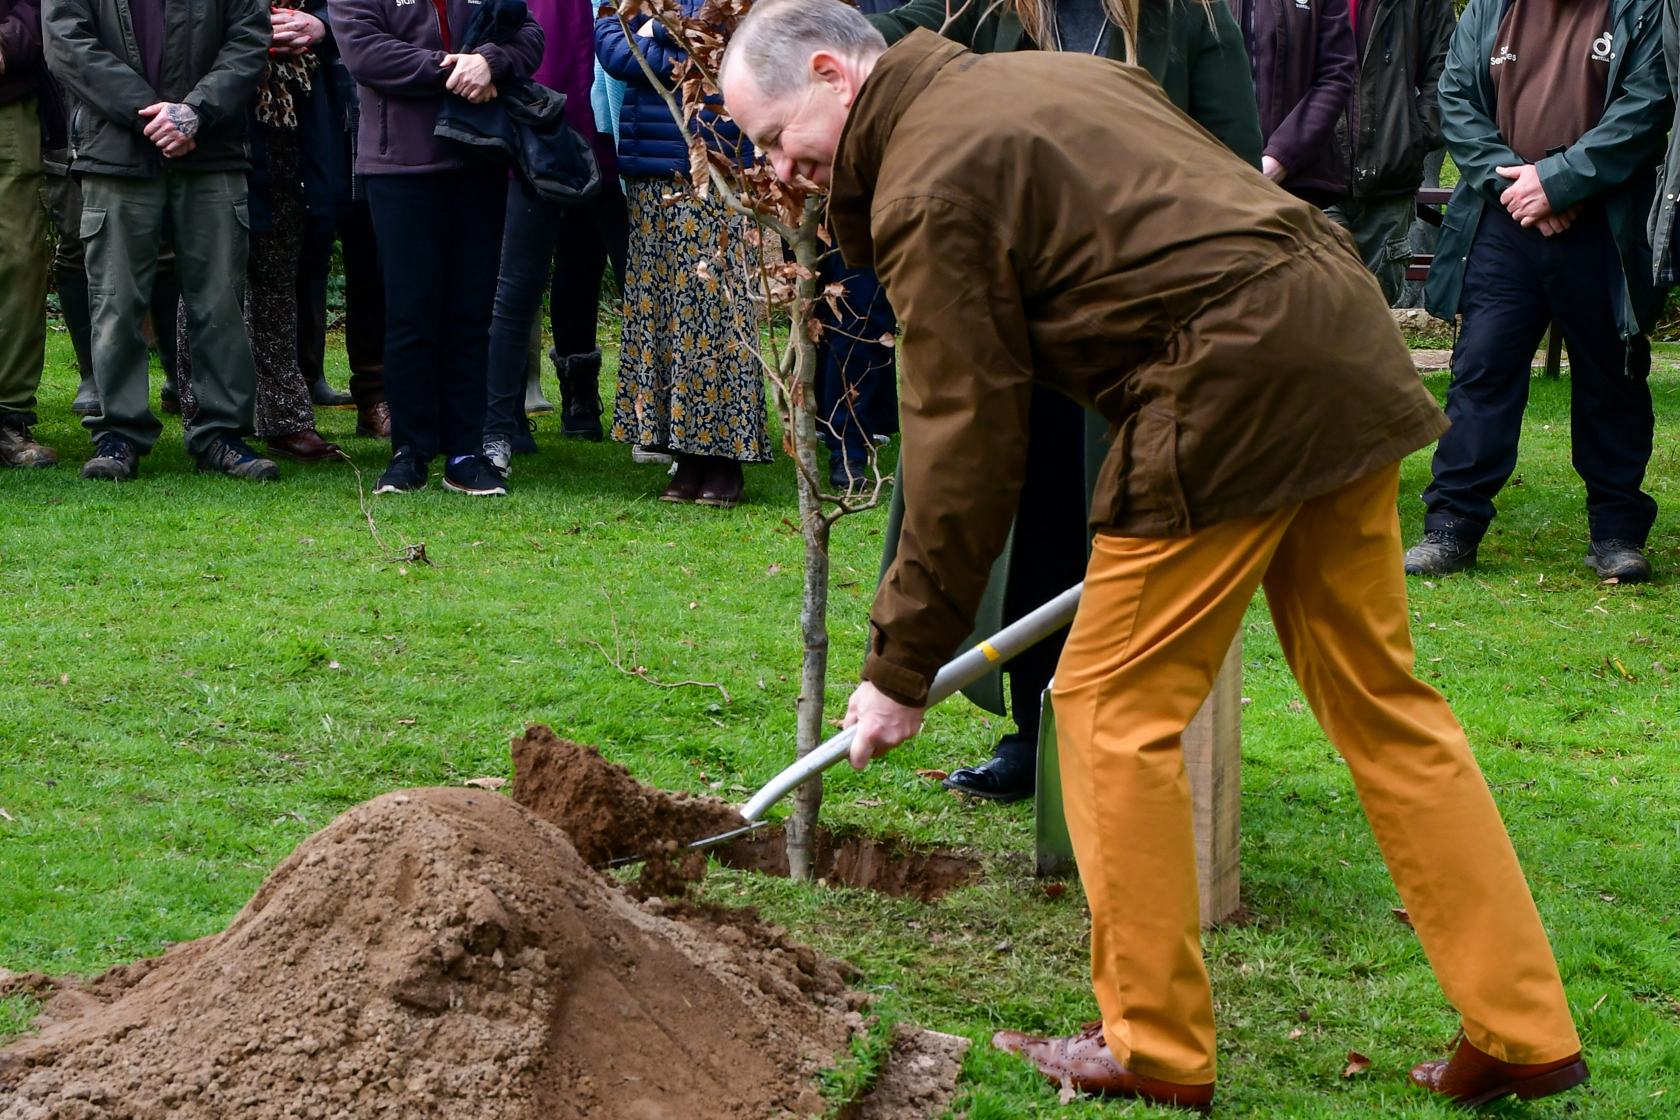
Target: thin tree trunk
813 611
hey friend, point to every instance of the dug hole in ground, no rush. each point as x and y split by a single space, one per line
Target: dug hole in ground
451 953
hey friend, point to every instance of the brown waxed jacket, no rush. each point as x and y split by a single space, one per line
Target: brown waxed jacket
1024 231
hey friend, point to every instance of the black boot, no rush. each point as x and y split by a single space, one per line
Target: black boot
580 394
1439 554
169 397
325 396
1011 774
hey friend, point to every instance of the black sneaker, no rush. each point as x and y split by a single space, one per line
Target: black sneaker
525 442
472 475
848 476
235 458
1439 554
1622 561
114 458
405 473
1011 774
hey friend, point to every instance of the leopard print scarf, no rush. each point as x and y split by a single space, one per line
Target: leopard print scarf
284 79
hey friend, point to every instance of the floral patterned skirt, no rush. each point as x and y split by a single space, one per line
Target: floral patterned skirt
687 378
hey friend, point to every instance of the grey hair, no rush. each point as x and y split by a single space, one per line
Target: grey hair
777 38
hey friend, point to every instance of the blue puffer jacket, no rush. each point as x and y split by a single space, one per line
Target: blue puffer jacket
649 141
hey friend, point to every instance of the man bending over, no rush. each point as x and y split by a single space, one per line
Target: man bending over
1072 228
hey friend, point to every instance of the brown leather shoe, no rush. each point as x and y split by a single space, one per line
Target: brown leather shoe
1471 1077
306 446
1085 1062
685 484
373 421
724 486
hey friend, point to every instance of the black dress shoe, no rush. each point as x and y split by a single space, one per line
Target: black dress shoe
1619 560
1011 774
323 395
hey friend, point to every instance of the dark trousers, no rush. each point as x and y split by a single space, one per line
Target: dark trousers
856 382
364 302
1515 281
440 238
1050 548
576 241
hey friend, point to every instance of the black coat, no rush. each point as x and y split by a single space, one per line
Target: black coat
1393 119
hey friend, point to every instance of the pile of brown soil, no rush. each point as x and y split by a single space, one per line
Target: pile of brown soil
606 811
446 953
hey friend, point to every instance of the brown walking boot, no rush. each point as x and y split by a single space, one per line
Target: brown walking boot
18 447
1084 1062
373 421
1472 1078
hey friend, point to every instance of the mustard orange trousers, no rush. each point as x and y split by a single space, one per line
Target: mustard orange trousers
1157 617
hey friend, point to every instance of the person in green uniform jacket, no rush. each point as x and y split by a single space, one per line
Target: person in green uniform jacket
1194 50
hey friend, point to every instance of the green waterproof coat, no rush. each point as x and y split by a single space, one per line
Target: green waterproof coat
1193 49
214 53
1613 163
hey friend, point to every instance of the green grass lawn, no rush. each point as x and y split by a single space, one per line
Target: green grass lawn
198 673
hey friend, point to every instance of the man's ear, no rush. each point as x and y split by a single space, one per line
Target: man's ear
831 70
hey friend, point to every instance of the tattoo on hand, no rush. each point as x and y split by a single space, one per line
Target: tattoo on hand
184 119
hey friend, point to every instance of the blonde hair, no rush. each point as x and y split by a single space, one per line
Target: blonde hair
1038 21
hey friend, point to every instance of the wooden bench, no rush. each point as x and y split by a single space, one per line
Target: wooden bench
1431 207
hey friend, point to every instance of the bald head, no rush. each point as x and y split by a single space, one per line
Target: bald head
789 77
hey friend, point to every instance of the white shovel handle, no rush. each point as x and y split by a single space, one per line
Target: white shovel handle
963 670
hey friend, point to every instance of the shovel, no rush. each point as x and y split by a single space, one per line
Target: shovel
962 670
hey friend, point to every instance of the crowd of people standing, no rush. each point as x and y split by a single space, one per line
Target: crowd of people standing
200 163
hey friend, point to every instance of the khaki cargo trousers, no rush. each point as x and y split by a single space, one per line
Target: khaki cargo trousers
1157 616
24 253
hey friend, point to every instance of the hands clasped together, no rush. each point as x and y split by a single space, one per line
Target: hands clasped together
1526 201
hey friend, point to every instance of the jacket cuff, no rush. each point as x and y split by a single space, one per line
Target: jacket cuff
501 66
906 686
1561 184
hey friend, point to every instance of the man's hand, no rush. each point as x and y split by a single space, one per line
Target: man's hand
294 32
1525 198
471 77
882 723
1273 170
172 127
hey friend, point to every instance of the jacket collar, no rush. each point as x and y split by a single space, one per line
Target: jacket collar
899 77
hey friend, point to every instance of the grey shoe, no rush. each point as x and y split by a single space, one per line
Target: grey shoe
114 458
236 459
535 403
87 402
1439 554
1622 561
499 454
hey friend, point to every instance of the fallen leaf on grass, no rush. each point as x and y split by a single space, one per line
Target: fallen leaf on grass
486 783
933 775
1067 1092
772 569
868 802
1357 1063
1296 1033
1055 890
406 722
1400 913
334 665
8 816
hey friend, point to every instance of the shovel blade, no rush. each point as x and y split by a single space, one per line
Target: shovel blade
1054 848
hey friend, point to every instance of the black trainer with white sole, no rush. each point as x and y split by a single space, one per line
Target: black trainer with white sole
473 475
406 472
